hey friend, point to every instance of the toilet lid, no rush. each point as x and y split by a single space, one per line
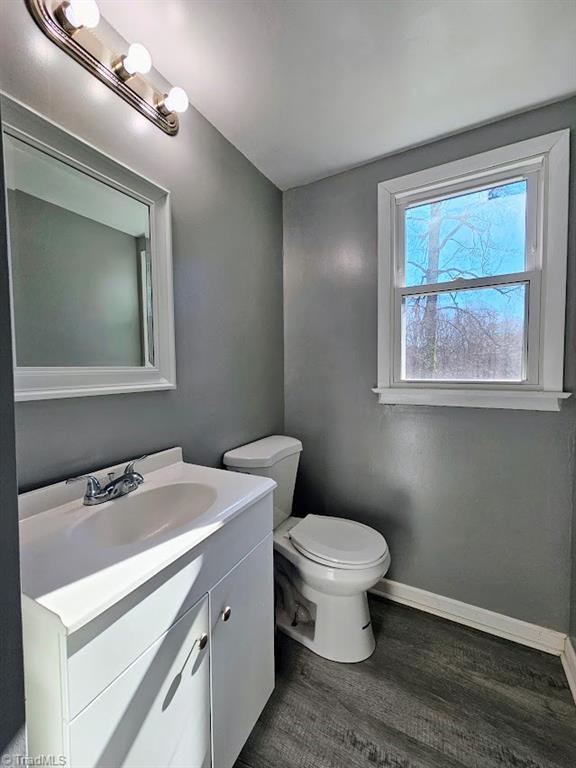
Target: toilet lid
338 541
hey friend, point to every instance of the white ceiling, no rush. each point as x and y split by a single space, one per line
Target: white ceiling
41 175
306 88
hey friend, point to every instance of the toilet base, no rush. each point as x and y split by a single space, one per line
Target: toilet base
335 627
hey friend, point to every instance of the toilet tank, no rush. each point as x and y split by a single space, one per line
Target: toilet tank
277 457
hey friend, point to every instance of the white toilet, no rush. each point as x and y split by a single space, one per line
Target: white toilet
323 566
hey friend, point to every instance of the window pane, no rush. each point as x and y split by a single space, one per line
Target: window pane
474 334
477 234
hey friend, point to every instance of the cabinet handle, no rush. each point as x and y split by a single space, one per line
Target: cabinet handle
202 641
226 613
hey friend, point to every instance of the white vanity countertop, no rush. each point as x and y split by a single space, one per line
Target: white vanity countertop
77 575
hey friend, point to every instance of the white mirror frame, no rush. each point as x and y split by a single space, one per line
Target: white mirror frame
43 383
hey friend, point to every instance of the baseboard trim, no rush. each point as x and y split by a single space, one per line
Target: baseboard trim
498 624
569 663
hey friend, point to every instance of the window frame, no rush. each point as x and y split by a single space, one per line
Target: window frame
544 163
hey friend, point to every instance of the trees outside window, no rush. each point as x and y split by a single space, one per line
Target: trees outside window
466 334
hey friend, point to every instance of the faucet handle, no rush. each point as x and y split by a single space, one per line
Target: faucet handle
92 484
130 467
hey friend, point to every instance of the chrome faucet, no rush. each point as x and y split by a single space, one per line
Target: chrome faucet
96 493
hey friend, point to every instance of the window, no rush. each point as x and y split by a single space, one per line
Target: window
472 280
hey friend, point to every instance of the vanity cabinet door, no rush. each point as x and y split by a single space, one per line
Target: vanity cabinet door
242 636
157 712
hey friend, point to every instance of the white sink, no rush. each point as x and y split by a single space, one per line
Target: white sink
151 513
78 560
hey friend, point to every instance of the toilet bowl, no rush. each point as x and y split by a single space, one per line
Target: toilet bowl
323 566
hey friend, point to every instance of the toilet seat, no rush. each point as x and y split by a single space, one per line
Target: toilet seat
338 543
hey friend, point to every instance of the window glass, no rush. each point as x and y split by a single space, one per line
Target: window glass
476 234
472 334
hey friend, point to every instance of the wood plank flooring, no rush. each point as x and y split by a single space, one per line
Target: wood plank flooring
434 695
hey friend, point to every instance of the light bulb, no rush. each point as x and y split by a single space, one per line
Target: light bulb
82 13
176 100
137 60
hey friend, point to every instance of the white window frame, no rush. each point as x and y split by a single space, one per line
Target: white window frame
544 163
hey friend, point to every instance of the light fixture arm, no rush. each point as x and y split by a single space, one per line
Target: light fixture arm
60 14
161 106
118 69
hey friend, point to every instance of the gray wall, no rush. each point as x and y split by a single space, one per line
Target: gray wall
227 248
12 687
66 270
475 504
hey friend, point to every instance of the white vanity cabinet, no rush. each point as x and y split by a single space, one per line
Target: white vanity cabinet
157 712
172 675
242 638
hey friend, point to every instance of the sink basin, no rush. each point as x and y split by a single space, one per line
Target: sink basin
148 514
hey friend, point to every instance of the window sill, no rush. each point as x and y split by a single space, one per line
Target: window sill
472 398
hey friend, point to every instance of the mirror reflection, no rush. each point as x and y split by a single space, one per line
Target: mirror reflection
81 265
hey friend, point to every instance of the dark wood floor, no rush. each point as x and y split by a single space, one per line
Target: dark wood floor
433 695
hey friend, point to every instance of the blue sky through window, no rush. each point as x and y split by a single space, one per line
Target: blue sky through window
476 234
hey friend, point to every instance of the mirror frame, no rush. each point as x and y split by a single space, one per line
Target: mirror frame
42 383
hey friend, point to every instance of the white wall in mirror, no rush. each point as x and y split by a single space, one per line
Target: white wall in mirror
91 267
42 175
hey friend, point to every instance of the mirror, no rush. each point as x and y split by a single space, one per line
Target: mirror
80 255
90 274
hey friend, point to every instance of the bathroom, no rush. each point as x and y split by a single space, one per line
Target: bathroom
423 612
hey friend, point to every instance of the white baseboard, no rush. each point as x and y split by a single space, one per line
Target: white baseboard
569 663
498 624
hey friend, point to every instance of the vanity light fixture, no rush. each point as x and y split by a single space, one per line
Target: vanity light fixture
70 24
